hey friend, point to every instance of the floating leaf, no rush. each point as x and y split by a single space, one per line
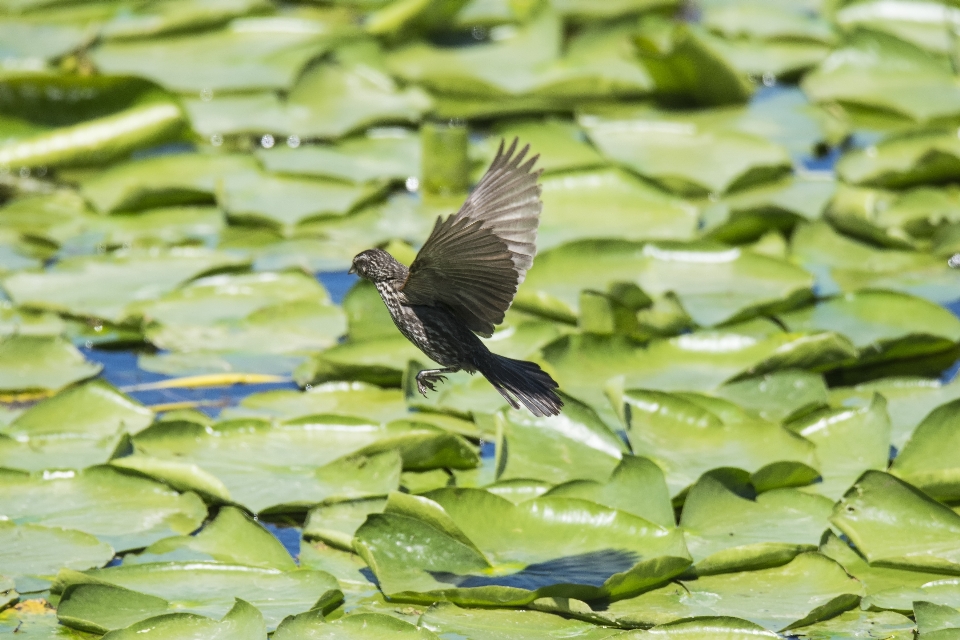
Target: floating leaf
926 461
192 587
231 538
180 178
896 525
342 398
728 531
904 161
561 144
383 155
336 523
243 622
686 153
545 546
859 624
448 620
250 53
171 17
685 438
778 396
708 628
848 442
31 554
357 626
103 286
29 363
713 282
123 511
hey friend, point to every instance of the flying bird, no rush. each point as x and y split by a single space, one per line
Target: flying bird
464 279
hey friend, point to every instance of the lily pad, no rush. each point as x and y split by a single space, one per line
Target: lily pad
880 72
357 626
103 286
382 155
636 486
575 445
29 363
248 54
243 622
633 210
181 178
688 154
335 398
8 594
562 145
904 161
883 325
448 620
171 17
231 538
38 618
926 461
32 554
141 591
728 530
364 454
872 515
335 524
473 549
123 511
860 624
714 283
777 396
848 441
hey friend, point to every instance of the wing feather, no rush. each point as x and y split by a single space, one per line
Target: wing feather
474 261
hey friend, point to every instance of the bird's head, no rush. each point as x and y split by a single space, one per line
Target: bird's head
377 265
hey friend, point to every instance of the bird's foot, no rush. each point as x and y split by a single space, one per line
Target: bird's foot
427 378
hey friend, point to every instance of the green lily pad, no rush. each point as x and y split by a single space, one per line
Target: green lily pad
29 363
96 141
685 438
633 210
181 178
357 626
474 549
171 17
714 283
32 554
895 525
808 589
925 460
727 531
231 538
141 591
224 454
620 491
335 524
766 21
880 72
123 511
450 621
91 409
875 579
38 618
686 153
575 445
942 591
925 29
860 624
103 286
777 396
587 11
778 58
243 622
33 45
932 618
59 451
283 202
383 155
336 398
904 161
909 400
883 325
329 101
248 54
412 17
162 227
848 441
8 595
561 144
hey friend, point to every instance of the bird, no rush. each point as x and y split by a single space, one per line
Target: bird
464 279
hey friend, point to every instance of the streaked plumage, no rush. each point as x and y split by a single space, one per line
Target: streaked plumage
464 279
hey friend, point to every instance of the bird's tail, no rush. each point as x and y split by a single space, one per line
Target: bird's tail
522 382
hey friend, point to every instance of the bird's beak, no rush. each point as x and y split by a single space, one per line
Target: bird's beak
353 268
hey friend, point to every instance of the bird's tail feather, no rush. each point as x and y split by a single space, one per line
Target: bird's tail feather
522 382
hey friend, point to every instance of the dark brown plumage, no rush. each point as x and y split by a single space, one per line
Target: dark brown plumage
464 279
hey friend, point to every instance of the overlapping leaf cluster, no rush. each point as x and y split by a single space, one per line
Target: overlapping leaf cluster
757 438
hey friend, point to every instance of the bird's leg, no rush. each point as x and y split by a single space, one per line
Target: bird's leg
427 378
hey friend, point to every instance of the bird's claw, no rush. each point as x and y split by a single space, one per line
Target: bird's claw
425 381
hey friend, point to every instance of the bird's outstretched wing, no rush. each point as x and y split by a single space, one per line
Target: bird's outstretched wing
474 261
